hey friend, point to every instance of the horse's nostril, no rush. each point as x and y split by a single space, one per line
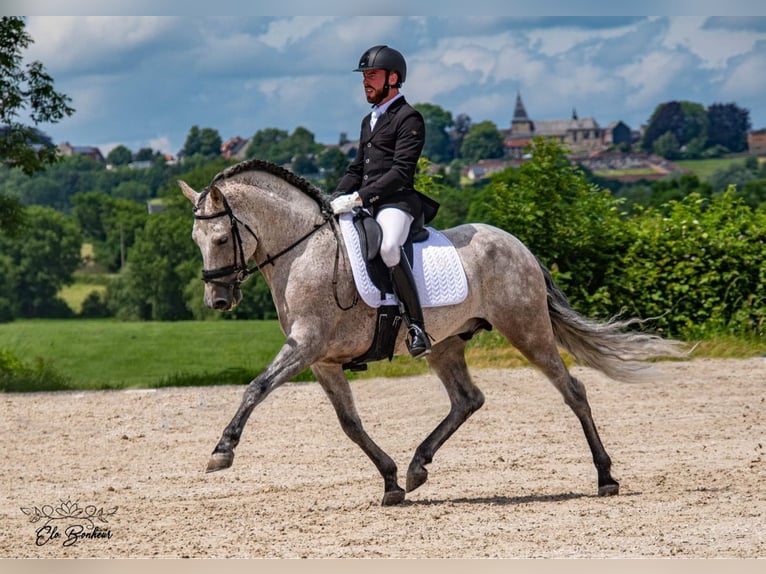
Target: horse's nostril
220 304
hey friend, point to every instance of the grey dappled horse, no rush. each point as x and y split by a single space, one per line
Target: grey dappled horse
256 212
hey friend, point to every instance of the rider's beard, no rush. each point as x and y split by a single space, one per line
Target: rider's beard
376 96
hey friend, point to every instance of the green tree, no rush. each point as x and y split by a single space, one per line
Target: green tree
686 121
572 226
333 164
279 147
304 165
205 142
151 286
267 145
24 90
110 224
437 148
132 190
37 263
301 142
119 155
728 125
148 154
667 146
11 215
483 141
457 134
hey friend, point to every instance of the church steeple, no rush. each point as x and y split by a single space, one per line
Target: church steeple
520 113
521 124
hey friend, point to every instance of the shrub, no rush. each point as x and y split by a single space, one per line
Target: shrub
17 376
701 270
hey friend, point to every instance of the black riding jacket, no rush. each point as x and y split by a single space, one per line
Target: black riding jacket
383 171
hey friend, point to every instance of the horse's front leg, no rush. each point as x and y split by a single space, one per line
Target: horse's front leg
447 359
290 361
335 384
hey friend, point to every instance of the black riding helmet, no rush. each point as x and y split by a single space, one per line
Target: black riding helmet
384 58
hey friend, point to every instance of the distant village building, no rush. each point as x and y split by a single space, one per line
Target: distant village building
486 167
580 135
756 142
617 133
234 148
92 152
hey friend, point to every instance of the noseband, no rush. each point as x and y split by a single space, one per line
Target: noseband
239 268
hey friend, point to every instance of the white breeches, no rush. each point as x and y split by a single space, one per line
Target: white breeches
395 224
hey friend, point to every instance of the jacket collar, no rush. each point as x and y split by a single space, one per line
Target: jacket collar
382 120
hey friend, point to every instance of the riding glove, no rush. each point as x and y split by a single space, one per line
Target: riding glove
344 203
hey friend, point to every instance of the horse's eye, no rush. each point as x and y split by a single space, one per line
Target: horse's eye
220 239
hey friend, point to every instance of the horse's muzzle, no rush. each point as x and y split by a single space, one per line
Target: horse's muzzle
222 298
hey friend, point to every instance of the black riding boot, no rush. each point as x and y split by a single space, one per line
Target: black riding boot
405 290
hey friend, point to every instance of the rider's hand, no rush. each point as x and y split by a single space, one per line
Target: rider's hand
344 203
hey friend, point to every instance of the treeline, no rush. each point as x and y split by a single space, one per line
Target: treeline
688 255
689 130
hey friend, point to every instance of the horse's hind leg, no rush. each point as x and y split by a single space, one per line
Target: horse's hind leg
335 384
539 347
447 359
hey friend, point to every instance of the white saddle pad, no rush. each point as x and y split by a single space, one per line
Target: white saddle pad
438 271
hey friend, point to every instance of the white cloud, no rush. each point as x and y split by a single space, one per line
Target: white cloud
650 76
161 143
747 79
284 32
72 42
713 46
559 40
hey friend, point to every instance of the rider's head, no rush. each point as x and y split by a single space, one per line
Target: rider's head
388 60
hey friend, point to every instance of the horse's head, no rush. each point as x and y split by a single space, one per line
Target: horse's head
225 243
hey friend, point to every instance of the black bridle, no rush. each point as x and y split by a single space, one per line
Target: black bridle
239 269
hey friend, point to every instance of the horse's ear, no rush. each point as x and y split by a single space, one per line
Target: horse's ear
190 194
216 196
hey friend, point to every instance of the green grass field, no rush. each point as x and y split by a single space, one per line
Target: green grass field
647 171
103 354
704 168
107 354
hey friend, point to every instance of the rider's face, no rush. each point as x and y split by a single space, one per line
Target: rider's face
373 82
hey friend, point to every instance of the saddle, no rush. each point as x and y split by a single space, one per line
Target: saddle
389 317
370 239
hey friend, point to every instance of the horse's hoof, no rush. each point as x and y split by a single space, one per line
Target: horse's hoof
393 497
220 461
416 477
609 489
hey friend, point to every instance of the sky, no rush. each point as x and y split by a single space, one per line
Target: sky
144 81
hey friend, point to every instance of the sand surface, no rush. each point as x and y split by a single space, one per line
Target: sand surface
516 481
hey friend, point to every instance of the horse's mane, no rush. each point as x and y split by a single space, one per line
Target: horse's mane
261 165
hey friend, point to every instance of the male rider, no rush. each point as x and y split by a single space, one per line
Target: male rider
381 178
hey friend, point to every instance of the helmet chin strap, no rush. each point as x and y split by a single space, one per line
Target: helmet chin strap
384 92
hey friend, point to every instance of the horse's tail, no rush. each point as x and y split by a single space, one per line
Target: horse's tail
607 346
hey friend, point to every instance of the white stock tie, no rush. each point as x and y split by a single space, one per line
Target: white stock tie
373 119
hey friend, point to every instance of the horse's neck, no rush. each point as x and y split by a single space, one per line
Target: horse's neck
279 215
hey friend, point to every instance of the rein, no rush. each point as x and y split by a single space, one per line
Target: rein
240 267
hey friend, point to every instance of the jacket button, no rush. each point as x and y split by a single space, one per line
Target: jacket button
369 144
365 177
367 160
